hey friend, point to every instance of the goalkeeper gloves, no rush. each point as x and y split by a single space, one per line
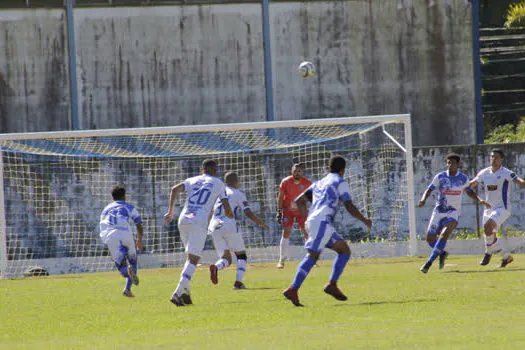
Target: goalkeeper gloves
279 216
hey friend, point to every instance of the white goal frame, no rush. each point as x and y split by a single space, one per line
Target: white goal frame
400 118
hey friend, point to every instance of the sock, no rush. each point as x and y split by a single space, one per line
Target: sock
432 244
221 263
302 271
499 247
123 271
489 242
241 269
437 250
338 266
134 265
285 243
185 277
128 283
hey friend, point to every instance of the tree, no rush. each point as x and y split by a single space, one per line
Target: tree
516 15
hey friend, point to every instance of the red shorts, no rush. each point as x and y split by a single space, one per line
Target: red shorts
289 215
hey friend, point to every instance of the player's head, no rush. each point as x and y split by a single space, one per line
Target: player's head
452 162
209 166
231 179
337 165
496 157
118 193
297 171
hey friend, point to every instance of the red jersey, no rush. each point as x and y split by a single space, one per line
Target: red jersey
291 190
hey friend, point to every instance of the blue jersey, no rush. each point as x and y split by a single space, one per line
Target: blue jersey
326 195
116 216
450 189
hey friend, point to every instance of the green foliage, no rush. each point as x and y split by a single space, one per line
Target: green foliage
515 16
507 133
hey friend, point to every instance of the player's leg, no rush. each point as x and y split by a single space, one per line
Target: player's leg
339 245
193 237
118 253
130 244
225 259
433 230
446 226
497 218
285 238
236 243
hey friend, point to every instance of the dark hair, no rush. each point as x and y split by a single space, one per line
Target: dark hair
230 178
497 150
298 165
453 156
118 193
209 165
337 163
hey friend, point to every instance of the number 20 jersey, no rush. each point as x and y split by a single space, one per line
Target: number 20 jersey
202 192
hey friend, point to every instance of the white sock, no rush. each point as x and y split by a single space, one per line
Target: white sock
500 247
185 277
241 269
283 251
221 263
489 243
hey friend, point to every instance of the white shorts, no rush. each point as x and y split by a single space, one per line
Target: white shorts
498 215
439 220
193 235
121 244
226 237
321 234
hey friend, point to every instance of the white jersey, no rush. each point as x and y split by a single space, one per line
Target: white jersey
115 219
450 190
326 195
496 184
238 203
203 191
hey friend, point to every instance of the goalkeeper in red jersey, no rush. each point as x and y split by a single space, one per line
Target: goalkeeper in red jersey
287 211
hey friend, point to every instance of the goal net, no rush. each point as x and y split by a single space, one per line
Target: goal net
54 186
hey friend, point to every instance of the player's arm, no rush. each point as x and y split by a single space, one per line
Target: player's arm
227 208
424 197
280 203
302 201
251 215
469 190
140 233
350 207
175 190
519 181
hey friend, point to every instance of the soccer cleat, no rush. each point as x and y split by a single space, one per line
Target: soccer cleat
186 299
280 265
239 285
177 300
442 258
127 293
486 259
290 293
213 274
331 289
425 267
505 262
133 275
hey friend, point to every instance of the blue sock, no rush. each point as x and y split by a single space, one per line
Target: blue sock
128 283
338 266
432 245
123 271
302 271
437 250
134 265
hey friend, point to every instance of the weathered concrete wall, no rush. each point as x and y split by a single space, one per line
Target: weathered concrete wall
34 90
176 65
170 65
378 57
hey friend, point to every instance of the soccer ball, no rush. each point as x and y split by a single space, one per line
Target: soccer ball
306 69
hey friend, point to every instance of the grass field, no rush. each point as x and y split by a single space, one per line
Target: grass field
391 305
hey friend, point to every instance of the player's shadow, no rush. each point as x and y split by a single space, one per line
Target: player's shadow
485 271
410 301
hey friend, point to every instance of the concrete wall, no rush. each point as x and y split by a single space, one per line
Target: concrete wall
177 65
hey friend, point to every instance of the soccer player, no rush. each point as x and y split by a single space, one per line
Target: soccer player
325 196
496 180
290 187
202 192
450 185
115 232
225 231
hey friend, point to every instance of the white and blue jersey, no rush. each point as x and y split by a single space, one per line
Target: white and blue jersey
327 193
115 218
450 190
497 186
238 203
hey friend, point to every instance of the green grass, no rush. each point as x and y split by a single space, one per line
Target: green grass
391 305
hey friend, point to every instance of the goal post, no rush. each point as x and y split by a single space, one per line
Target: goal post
53 186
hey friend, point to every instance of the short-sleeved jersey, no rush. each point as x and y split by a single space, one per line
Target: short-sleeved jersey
116 216
497 186
292 189
238 203
326 195
203 191
450 190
